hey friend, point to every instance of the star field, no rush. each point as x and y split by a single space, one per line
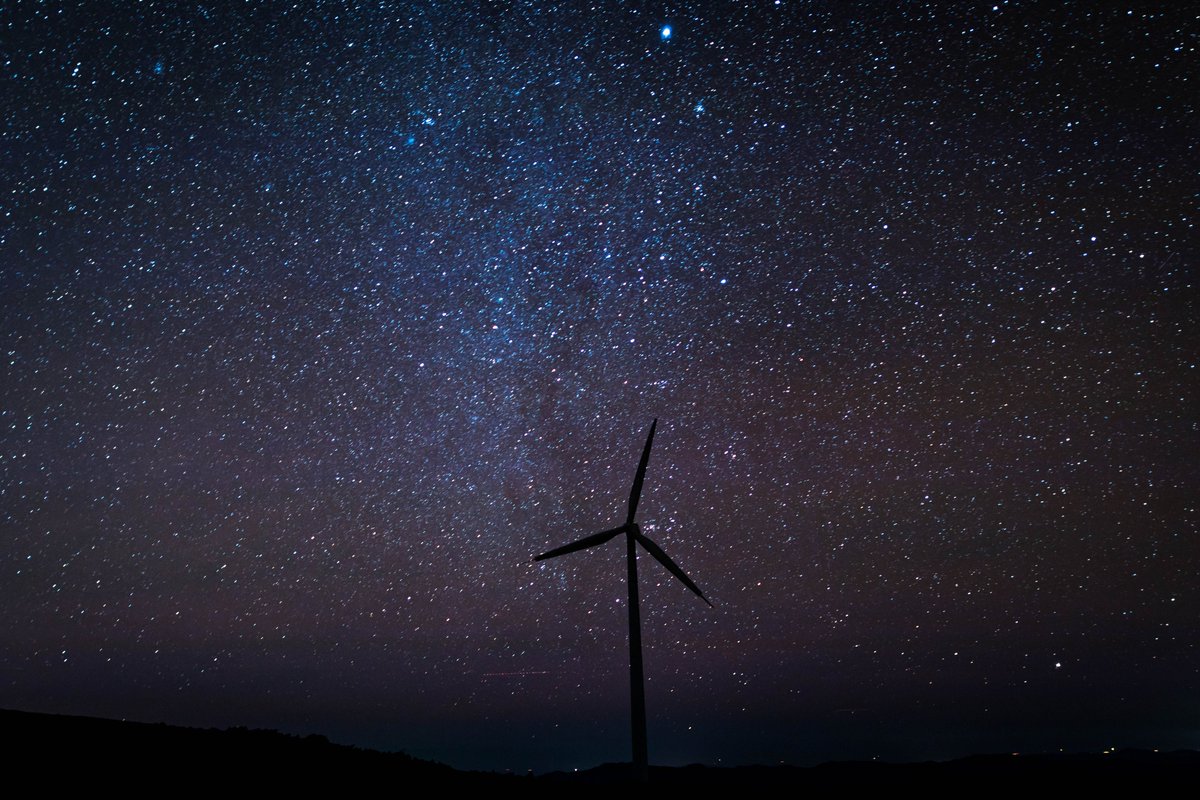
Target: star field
319 320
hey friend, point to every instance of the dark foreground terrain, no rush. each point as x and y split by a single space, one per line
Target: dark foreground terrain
89 753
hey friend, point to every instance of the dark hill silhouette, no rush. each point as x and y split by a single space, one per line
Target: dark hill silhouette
971 776
89 753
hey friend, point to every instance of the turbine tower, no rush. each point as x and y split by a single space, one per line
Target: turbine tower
634 537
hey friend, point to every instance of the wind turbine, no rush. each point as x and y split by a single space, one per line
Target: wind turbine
633 537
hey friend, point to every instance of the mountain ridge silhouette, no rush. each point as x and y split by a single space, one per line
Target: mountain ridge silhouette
158 756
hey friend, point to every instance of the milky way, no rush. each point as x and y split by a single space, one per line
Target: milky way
318 323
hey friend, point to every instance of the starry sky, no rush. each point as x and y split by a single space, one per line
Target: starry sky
319 320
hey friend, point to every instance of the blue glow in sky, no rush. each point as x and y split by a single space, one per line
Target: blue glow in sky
312 341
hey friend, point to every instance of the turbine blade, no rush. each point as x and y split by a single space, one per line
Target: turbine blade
666 561
582 544
636 494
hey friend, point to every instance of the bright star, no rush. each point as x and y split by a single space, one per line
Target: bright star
665 32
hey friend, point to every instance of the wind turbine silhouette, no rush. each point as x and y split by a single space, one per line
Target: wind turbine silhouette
633 537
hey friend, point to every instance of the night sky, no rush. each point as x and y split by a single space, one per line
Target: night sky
318 321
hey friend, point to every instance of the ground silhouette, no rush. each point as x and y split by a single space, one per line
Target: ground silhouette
86 753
